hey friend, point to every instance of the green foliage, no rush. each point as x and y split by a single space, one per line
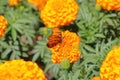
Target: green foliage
20 32
26 37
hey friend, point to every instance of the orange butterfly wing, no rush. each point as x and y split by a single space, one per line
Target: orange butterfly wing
55 38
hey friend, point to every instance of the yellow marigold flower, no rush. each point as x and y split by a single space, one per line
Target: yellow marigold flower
110 69
109 4
68 48
3 25
57 13
96 78
14 2
38 3
21 70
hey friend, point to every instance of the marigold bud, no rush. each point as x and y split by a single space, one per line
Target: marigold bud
65 64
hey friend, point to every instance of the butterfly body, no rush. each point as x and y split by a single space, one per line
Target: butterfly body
55 38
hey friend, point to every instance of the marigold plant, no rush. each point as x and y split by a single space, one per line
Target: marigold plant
21 70
57 13
109 4
68 48
14 2
38 3
3 25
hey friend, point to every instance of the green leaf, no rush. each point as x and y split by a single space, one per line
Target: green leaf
8 29
25 54
13 56
5 53
76 75
14 34
89 48
56 69
99 35
36 56
48 66
91 58
110 22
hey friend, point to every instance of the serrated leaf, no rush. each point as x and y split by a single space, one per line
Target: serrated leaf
110 22
36 56
90 58
42 43
42 52
89 48
56 69
5 53
48 66
25 55
76 75
12 56
14 34
8 29
30 40
99 35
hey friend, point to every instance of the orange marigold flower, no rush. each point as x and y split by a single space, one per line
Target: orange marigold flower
96 78
3 25
21 70
109 4
110 69
38 3
57 13
68 48
14 2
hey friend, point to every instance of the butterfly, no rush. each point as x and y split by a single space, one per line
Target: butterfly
55 38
